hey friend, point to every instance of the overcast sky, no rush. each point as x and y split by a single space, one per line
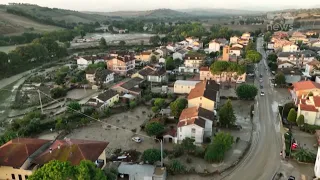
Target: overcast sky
135 5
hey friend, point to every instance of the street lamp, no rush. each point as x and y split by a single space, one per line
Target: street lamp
161 149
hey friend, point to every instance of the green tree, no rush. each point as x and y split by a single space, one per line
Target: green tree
267 36
122 43
253 56
246 91
103 43
159 102
151 155
82 33
177 106
88 170
300 120
272 57
170 65
153 59
304 155
111 173
226 114
155 109
74 106
54 170
216 150
176 167
286 108
132 104
154 40
154 128
251 46
292 116
280 79
58 92
188 144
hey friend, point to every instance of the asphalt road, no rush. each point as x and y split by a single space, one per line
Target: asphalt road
263 159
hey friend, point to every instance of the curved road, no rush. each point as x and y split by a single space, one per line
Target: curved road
262 160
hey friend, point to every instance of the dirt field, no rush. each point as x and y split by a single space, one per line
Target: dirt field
13 24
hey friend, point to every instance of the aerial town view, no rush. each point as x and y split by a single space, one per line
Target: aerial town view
159 90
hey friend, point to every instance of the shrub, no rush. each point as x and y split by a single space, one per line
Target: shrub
238 139
199 152
178 151
151 155
189 160
176 167
154 128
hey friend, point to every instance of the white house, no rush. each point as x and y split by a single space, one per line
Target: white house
105 99
235 51
180 54
316 43
184 86
290 48
270 46
162 60
171 47
192 128
214 46
83 63
234 40
197 113
285 64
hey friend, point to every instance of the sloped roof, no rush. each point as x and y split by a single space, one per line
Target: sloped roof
131 83
306 107
207 89
305 85
107 95
196 121
72 150
196 112
15 152
284 62
193 56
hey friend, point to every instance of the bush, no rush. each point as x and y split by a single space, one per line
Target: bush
238 139
154 128
151 155
178 151
310 128
199 152
189 160
176 167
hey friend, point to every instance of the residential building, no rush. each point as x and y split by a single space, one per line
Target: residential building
180 54
192 115
303 88
226 53
312 68
20 157
309 107
298 36
171 47
129 87
246 35
270 46
205 94
214 46
90 75
280 34
107 76
237 45
285 64
151 74
162 51
311 33
235 51
193 61
315 43
142 171
184 86
292 75
222 41
85 61
145 56
205 74
290 48
300 58
279 43
105 99
121 64
234 39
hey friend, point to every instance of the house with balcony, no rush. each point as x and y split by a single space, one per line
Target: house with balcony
106 99
121 65
303 88
107 76
192 63
152 74
289 48
205 94
205 74
194 122
300 59
298 36
309 106
20 157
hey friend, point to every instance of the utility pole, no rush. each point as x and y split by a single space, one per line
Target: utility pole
40 101
161 144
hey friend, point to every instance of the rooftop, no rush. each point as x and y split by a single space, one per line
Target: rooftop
305 85
107 95
186 82
131 83
197 121
207 89
196 112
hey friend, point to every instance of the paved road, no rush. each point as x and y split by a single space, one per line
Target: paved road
262 160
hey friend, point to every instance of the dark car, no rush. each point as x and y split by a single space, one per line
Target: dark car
291 178
261 87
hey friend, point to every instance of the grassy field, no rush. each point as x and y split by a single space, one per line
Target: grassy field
7 49
11 24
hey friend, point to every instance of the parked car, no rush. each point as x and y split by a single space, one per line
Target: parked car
262 93
137 139
291 178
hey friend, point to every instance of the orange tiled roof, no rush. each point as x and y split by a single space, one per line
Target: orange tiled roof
304 85
316 100
15 152
207 89
305 107
197 121
192 112
314 63
205 68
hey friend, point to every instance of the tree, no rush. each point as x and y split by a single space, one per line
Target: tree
101 74
251 46
286 108
246 91
292 116
154 40
272 57
159 102
82 33
153 59
88 170
58 92
132 104
176 167
103 43
111 173
226 114
170 65
177 106
280 79
216 150
188 144
54 170
154 128
74 106
122 43
151 155
253 56
300 120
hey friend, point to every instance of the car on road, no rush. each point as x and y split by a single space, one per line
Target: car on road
261 87
291 178
261 93
137 139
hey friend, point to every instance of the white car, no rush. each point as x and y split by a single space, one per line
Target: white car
137 139
262 93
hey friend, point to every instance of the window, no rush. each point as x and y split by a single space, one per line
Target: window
180 129
13 176
20 177
200 104
193 130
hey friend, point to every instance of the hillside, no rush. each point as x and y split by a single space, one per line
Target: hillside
12 24
53 15
219 12
157 13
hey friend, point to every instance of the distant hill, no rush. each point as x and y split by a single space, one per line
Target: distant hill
53 14
219 12
11 24
157 13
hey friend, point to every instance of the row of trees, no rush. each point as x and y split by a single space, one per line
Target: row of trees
219 67
18 39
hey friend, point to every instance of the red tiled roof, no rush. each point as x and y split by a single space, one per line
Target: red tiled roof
171 132
313 63
72 150
305 85
204 68
316 100
192 112
15 152
206 89
305 107
196 121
